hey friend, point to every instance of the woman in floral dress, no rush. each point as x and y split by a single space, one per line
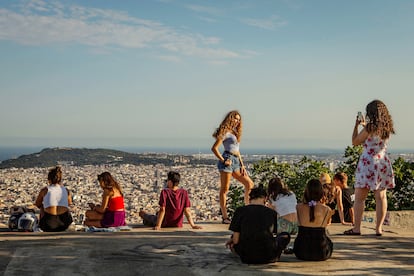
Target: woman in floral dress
374 171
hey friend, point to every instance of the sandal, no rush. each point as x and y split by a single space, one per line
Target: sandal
226 221
351 232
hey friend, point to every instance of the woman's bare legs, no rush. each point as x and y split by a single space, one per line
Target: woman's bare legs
247 182
225 178
380 208
93 218
359 206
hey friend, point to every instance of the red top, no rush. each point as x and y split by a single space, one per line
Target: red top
116 203
174 202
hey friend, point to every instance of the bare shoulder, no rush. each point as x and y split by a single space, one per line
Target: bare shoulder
323 207
323 210
108 192
301 206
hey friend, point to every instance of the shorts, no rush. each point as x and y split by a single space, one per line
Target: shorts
55 223
284 225
113 219
235 163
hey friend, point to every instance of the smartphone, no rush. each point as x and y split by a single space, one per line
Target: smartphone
360 116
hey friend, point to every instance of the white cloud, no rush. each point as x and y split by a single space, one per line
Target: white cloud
205 9
37 22
267 24
207 19
170 58
218 62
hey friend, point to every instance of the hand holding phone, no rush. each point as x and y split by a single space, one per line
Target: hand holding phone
361 118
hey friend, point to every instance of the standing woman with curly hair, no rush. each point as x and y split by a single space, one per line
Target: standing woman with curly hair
374 170
230 163
111 212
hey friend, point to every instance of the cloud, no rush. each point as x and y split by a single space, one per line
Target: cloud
38 22
174 59
268 24
205 9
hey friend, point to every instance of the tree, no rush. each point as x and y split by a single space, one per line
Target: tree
350 164
402 196
296 175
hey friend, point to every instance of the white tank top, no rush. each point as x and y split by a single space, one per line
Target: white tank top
285 204
57 195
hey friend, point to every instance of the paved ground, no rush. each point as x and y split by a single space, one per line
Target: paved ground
194 252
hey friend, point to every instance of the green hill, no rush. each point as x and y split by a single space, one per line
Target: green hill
82 156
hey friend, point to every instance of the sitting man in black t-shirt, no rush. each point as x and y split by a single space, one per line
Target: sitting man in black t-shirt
254 227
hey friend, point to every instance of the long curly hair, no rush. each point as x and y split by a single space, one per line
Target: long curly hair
109 182
379 120
228 124
328 188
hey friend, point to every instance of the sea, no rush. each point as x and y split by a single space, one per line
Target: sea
15 152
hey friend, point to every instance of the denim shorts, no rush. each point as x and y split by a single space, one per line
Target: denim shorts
284 225
235 163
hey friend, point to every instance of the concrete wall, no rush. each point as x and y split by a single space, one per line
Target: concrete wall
399 219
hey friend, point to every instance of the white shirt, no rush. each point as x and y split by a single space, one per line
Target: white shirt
285 204
57 195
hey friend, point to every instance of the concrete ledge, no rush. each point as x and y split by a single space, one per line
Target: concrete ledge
185 251
398 219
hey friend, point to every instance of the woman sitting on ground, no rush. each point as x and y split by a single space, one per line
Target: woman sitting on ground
53 202
312 242
283 201
334 198
111 212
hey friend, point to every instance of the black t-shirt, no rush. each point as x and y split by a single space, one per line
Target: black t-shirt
256 225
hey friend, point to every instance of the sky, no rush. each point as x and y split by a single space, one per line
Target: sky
164 73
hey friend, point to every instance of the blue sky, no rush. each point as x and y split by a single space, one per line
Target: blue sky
164 73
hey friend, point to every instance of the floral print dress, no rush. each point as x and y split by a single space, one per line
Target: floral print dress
374 170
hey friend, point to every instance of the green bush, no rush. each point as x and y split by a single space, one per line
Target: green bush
296 176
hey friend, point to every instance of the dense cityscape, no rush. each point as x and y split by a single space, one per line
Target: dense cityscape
141 184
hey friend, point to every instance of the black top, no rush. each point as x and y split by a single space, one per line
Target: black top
256 225
312 244
347 204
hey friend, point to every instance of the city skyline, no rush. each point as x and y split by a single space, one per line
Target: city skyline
148 74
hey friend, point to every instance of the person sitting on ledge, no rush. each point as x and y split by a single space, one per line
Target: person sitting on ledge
254 228
53 202
312 242
111 212
174 204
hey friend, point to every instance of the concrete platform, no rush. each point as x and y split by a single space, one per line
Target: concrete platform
173 251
